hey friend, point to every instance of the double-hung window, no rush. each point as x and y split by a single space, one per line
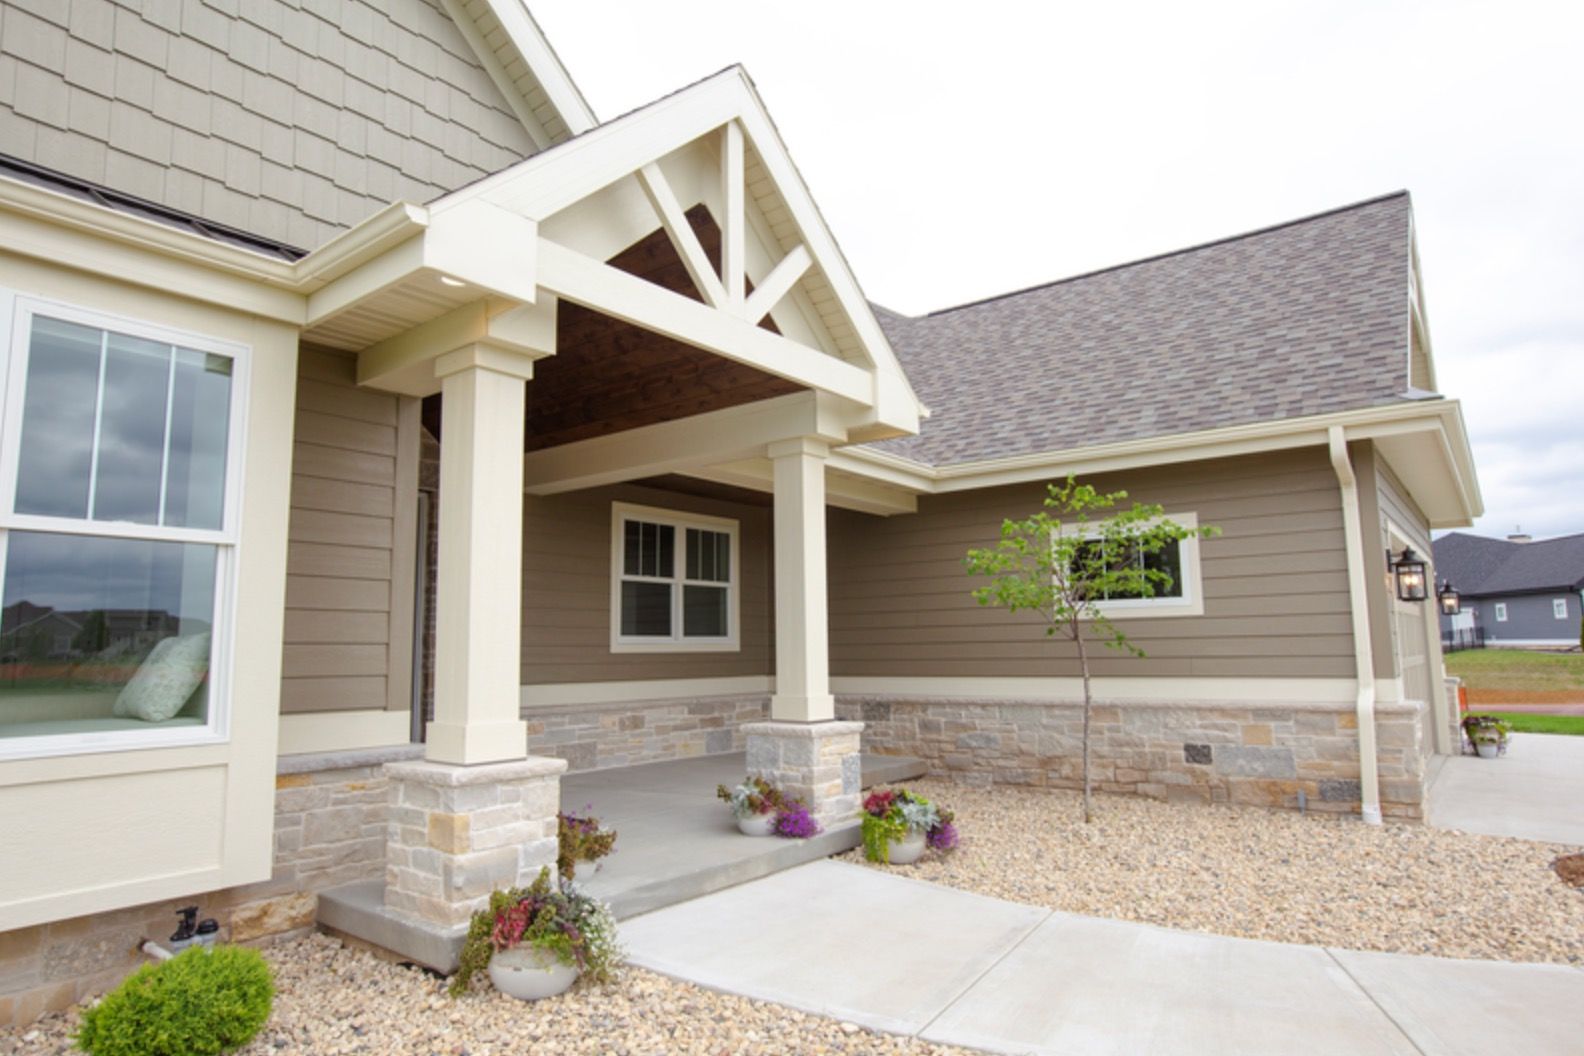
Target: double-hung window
674 581
1559 608
119 489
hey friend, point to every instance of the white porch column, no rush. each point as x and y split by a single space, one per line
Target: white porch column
478 609
802 631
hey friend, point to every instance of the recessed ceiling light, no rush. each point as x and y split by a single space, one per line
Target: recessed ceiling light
449 281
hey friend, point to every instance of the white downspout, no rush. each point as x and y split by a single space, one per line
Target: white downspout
1363 650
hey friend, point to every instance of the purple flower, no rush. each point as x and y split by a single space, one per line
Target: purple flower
794 823
943 837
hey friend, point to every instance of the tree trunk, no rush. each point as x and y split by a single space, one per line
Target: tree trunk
1083 664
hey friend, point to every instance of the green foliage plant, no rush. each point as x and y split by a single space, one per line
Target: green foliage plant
754 796
577 930
889 815
201 1002
1486 729
581 838
1061 562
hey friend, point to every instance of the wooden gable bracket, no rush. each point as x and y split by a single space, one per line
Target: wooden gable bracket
725 291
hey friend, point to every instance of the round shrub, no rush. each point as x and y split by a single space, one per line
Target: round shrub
201 1002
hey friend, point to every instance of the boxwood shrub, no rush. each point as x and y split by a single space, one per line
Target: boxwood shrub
201 1002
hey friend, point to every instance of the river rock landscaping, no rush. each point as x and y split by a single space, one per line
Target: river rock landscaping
1263 874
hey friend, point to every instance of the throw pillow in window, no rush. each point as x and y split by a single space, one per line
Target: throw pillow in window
167 677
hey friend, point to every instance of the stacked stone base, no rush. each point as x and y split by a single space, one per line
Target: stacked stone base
818 763
599 736
1260 755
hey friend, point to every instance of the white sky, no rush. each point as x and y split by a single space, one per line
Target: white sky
963 150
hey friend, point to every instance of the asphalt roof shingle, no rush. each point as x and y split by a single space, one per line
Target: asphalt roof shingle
1307 318
1477 565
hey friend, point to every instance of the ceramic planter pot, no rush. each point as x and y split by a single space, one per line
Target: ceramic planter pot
757 824
583 872
529 973
1487 749
907 850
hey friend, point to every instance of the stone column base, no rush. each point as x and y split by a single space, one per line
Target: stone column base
817 762
456 833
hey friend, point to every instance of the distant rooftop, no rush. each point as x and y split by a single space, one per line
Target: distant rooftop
1478 565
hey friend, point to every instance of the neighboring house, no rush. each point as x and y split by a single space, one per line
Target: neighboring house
1514 591
297 309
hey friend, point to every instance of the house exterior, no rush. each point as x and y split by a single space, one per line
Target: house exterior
1514 592
383 436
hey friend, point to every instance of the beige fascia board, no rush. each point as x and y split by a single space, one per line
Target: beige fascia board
356 246
841 491
406 363
497 72
540 57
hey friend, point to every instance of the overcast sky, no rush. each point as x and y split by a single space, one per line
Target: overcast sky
963 150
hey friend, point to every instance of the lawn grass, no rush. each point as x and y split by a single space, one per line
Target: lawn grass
1525 723
1518 669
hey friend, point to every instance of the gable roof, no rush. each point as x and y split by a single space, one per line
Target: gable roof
1309 317
1480 566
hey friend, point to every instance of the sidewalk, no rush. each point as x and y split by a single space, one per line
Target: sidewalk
1534 792
909 957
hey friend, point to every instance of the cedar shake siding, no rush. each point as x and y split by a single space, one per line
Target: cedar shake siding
1275 582
288 121
350 551
567 591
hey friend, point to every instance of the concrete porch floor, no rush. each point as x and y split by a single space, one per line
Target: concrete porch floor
676 842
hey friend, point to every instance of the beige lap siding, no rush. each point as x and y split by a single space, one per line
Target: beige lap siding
567 591
349 586
1275 582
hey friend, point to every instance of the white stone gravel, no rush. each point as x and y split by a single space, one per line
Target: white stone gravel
1262 874
334 1000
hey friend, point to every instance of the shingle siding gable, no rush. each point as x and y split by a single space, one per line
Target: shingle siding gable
292 122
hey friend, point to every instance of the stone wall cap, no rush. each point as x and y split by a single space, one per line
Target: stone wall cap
836 728
351 759
428 772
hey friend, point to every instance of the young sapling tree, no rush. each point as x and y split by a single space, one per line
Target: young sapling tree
1065 561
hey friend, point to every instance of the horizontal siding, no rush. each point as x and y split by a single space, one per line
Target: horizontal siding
567 588
342 569
1275 582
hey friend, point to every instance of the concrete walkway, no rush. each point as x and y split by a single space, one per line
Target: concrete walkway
1534 792
909 957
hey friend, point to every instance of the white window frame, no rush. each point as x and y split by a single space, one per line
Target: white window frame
681 521
1160 607
17 311
1559 608
1501 612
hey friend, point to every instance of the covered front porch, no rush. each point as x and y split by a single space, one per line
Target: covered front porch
653 306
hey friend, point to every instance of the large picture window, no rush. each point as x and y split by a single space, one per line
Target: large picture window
117 531
674 580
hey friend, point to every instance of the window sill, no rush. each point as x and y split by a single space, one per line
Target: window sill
675 647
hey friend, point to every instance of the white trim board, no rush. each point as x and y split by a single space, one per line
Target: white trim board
342 731
548 695
1163 690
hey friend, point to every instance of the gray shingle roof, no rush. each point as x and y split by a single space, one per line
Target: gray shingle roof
1479 566
1307 318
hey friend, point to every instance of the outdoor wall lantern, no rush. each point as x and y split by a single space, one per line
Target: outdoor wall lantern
1409 570
1451 604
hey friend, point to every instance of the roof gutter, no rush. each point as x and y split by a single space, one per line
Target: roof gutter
1363 651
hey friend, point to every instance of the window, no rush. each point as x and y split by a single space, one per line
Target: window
674 581
1559 608
118 486
1180 561
1501 612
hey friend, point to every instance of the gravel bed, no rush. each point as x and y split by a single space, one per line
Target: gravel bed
331 1000
1262 874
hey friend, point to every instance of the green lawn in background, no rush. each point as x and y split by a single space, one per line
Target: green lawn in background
1518 669
1522 723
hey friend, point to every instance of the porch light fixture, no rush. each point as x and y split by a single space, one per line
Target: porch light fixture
1451 604
1409 571
449 281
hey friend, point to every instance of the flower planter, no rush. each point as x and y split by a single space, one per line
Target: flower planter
583 872
757 824
907 850
1487 749
529 973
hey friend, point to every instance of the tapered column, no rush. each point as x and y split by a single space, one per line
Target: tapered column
802 632
478 610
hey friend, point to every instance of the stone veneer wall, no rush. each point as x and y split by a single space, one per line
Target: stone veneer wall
1261 755
330 815
596 736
